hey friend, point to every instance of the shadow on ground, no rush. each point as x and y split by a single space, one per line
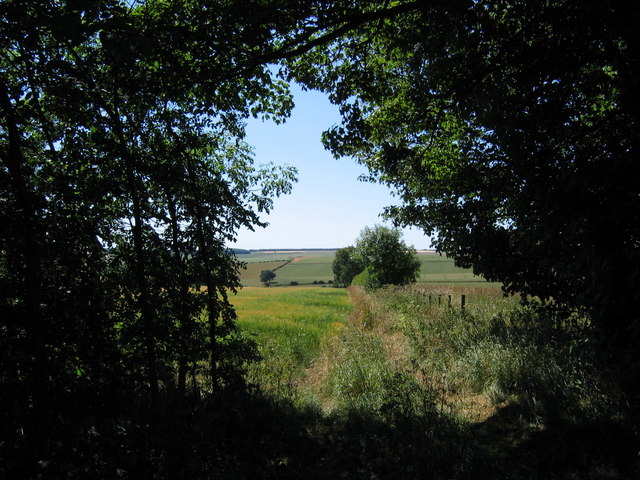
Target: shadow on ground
249 436
261 439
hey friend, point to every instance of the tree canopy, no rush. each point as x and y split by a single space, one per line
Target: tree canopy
267 276
510 131
384 258
123 175
345 266
508 128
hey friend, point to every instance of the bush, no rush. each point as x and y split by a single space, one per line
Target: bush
388 260
361 279
506 352
345 266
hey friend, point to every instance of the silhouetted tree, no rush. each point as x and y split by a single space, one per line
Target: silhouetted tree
122 177
510 130
267 276
345 266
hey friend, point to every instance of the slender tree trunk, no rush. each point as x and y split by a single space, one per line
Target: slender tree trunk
212 292
27 243
212 310
183 298
146 309
213 319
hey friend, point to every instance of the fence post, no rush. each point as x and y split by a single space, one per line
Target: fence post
449 302
463 301
439 299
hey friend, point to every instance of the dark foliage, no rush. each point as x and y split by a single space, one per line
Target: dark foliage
509 129
267 276
122 177
345 266
512 131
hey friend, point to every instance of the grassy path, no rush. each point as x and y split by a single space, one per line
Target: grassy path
391 386
289 325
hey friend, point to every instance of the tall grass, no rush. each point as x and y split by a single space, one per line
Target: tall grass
501 350
473 386
400 385
289 326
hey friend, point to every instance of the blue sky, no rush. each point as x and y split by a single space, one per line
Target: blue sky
329 206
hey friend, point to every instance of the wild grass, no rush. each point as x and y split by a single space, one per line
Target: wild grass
289 326
501 350
489 381
397 385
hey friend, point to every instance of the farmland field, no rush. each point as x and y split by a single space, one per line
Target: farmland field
289 326
250 277
481 386
308 267
259 308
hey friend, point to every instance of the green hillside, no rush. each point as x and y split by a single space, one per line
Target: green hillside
305 267
439 269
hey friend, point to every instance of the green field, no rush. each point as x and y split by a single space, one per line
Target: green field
487 390
289 326
250 277
308 266
261 257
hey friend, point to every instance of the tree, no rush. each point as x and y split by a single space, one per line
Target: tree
266 276
511 131
345 266
385 257
123 175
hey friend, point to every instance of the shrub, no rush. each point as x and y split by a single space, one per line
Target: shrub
388 260
361 279
345 266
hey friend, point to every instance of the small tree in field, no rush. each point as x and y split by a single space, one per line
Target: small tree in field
385 257
266 276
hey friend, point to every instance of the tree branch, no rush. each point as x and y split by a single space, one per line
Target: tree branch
348 24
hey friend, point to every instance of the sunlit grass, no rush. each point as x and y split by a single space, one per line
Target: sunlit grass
400 377
289 326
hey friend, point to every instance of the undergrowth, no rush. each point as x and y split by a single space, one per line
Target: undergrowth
411 387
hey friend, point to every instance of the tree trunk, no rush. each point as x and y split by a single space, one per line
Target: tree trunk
29 249
212 300
146 309
183 294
